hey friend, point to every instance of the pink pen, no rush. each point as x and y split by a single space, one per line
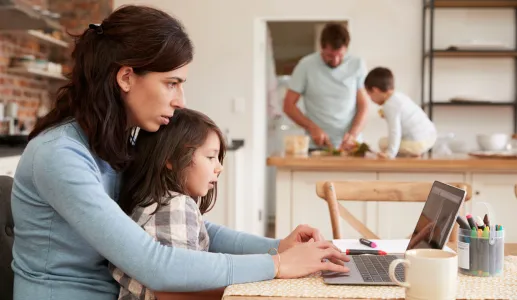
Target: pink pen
367 243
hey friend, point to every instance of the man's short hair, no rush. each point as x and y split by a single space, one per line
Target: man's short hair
334 35
381 78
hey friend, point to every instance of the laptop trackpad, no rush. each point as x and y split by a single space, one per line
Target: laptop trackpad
350 265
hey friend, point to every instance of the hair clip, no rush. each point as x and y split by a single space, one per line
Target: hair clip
97 28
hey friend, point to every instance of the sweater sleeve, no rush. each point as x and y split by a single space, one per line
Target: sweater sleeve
65 174
392 116
225 240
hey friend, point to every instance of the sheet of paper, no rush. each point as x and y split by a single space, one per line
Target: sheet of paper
389 246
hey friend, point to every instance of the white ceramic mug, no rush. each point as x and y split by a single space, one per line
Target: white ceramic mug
429 274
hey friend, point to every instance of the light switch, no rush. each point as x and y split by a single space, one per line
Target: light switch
239 105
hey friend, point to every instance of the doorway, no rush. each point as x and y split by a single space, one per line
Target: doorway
286 42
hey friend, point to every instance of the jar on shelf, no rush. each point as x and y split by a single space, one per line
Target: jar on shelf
41 64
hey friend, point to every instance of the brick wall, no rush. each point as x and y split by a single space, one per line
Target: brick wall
77 14
30 91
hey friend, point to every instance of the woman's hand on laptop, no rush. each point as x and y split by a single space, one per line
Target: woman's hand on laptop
307 258
301 234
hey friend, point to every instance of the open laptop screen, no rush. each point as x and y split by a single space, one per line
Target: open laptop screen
438 217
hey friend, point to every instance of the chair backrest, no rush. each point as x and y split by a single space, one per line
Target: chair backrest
6 239
380 191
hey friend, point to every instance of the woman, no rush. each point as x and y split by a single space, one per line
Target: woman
128 72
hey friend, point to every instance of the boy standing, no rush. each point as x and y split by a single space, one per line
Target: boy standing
410 132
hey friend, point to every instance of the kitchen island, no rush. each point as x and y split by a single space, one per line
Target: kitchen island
492 181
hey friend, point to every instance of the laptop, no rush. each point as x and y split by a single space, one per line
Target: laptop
432 231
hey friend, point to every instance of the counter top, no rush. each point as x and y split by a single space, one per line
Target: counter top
448 164
8 151
235 145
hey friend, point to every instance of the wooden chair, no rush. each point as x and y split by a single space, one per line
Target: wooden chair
381 191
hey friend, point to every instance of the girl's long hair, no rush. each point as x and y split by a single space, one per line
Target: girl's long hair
147 179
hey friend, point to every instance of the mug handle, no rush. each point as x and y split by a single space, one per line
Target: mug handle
391 271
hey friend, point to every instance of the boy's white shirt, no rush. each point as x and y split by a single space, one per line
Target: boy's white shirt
406 121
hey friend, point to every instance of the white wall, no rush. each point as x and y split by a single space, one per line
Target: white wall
386 32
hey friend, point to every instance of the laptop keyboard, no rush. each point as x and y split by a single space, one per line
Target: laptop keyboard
374 268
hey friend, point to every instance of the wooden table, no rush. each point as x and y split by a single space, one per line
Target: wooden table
509 249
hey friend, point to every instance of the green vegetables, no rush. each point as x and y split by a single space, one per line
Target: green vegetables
360 150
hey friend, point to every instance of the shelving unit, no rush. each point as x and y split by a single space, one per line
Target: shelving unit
47 38
472 103
428 56
36 72
19 16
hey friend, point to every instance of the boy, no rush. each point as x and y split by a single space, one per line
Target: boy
410 132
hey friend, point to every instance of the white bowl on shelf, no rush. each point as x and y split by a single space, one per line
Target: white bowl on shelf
493 142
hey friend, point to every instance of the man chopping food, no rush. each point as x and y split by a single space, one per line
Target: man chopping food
332 85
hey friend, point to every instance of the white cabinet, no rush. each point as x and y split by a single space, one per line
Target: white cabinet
398 220
308 208
498 191
297 202
8 165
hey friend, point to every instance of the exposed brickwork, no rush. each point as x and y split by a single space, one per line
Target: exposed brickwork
28 91
77 14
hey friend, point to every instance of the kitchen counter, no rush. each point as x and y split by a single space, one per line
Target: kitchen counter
9 151
492 181
459 163
235 145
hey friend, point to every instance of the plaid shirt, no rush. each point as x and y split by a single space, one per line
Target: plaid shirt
177 224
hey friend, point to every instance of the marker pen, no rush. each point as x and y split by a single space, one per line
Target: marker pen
367 243
361 252
463 224
486 220
484 268
471 221
473 250
480 223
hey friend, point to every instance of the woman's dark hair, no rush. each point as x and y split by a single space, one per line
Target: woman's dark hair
148 180
144 38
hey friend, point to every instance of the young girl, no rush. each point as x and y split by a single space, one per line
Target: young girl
170 184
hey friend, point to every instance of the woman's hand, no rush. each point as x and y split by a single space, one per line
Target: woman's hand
304 259
301 234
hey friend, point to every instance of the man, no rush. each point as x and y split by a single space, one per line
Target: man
332 84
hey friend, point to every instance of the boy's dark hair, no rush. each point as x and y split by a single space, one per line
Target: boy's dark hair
147 179
380 78
144 38
334 35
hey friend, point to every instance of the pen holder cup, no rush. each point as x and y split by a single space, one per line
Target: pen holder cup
481 254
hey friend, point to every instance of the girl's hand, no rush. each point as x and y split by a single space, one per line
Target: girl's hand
304 259
301 234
